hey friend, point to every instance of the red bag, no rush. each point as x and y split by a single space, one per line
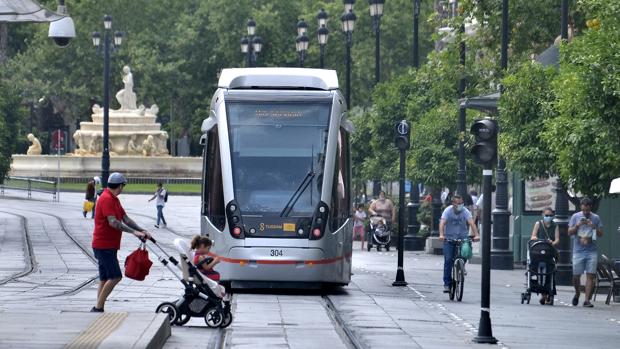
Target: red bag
138 264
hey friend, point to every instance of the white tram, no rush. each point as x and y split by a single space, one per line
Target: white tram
276 195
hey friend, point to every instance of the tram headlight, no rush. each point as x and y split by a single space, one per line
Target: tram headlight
233 208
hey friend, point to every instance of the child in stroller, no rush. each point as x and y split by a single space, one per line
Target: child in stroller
379 233
202 297
201 246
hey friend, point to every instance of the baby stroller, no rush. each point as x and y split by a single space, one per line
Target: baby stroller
203 297
379 233
540 274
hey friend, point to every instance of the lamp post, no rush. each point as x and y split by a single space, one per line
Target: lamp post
323 34
107 48
301 43
501 255
416 17
376 11
252 44
564 275
348 24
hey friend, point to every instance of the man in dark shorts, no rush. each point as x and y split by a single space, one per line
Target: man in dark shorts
110 221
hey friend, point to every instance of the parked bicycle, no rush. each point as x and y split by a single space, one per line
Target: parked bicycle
458 268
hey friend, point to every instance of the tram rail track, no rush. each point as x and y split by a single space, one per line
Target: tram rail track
85 251
30 259
346 334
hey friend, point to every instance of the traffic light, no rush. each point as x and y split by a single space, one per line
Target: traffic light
401 139
485 148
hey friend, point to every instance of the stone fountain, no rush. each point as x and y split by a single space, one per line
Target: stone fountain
136 142
132 130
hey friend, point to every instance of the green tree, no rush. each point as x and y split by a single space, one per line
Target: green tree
10 129
584 135
525 105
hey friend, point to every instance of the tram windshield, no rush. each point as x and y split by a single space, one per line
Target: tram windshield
276 148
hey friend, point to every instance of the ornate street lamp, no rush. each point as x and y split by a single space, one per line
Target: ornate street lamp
376 11
322 17
348 5
108 48
301 44
323 34
252 44
302 27
348 24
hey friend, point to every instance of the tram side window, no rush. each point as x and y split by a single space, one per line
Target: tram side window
341 198
214 190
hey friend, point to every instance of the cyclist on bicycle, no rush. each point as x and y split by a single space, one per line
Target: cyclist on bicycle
452 226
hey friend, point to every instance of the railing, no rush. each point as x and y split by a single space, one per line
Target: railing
30 185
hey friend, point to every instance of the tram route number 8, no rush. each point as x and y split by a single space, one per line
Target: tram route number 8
276 253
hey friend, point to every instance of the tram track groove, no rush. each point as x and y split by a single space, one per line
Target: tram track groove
30 258
346 334
85 251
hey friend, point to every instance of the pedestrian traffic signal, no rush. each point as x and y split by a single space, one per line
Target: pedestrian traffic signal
401 139
485 148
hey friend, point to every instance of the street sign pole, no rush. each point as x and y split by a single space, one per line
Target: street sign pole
58 133
485 332
402 143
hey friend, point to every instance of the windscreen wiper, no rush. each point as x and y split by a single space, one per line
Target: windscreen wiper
297 194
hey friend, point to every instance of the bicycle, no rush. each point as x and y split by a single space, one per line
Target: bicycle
458 269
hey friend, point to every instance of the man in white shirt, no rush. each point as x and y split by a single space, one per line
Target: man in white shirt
160 195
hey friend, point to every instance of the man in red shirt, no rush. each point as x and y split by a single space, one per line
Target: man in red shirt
110 221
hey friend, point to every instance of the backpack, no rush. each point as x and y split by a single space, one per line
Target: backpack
166 195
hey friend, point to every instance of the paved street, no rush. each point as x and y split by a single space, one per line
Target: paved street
50 273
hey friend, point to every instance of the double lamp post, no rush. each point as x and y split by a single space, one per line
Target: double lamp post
252 44
108 48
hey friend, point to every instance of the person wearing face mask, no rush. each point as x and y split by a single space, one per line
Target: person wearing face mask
546 230
584 227
452 226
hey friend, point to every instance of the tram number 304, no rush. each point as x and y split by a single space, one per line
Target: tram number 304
276 253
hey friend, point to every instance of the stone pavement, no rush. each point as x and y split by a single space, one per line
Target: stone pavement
370 310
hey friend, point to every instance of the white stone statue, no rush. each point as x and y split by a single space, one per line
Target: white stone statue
149 148
35 148
132 147
126 97
79 142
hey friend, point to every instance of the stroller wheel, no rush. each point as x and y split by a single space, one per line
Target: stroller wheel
228 318
182 319
170 309
213 317
378 248
387 247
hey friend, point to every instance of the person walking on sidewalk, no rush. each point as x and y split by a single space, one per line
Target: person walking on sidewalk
160 197
358 224
584 227
546 230
110 221
454 225
91 195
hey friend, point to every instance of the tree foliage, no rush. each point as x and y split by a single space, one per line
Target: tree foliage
525 104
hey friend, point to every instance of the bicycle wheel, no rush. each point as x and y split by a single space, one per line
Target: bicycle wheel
460 279
453 282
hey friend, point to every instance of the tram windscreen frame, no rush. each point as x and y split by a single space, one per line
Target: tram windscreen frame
274 147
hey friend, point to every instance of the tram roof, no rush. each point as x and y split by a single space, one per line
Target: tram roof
246 78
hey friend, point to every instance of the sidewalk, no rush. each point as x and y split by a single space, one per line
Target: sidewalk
422 316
